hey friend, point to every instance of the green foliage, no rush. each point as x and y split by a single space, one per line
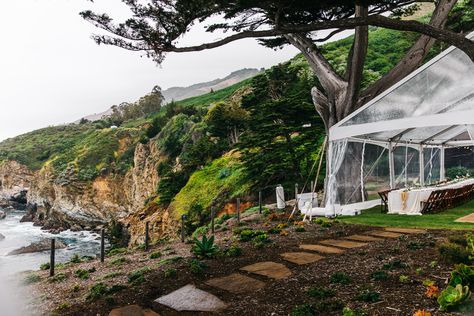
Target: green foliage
58 277
155 255
118 237
395 264
379 275
454 172
349 312
368 295
118 261
111 275
320 292
116 251
404 279
470 245
171 273
249 234
45 266
453 253
341 278
81 274
205 248
137 277
75 259
197 267
233 251
31 278
97 291
462 274
303 310
452 297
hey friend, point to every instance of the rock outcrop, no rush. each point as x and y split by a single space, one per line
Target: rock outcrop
42 245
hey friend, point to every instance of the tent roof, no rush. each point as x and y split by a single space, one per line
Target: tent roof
433 106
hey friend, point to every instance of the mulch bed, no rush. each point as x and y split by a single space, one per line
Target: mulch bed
399 256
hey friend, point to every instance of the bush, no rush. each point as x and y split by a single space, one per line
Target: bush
233 251
341 278
462 274
379 275
300 229
119 261
320 292
45 266
75 259
138 276
155 255
368 295
111 275
197 267
171 273
395 264
58 277
97 291
81 274
303 310
325 307
200 231
453 253
205 248
248 234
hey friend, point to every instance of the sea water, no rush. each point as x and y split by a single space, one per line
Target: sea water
12 299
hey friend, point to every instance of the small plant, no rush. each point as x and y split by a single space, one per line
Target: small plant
116 251
303 310
395 264
273 231
300 229
432 291
422 312
75 288
462 274
45 266
470 245
433 264
319 221
414 245
97 291
170 273
116 288
197 267
453 253
81 274
63 307
368 295
326 224
349 312
379 275
119 261
59 277
428 282
138 276
327 306
111 275
320 292
404 279
205 248
200 231
247 235
233 251
155 255
452 297
419 271
341 278
75 259
31 278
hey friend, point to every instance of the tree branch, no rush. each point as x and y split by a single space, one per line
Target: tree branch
355 63
413 58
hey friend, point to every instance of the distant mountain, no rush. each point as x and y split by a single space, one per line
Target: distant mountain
181 93
96 116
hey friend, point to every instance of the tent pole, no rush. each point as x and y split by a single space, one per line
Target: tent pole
442 172
406 164
391 163
422 165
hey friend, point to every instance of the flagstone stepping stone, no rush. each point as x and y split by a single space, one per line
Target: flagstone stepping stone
405 230
132 310
363 238
466 219
301 258
189 298
343 243
236 283
269 269
385 234
322 249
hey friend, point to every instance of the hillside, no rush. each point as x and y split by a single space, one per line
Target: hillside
191 154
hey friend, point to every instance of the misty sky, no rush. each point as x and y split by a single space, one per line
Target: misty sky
51 72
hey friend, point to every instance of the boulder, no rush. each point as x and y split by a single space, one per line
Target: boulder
2 215
31 210
42 245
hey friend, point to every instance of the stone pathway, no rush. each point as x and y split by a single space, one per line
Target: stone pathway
269 269
236 283
465 219
301 258
190 298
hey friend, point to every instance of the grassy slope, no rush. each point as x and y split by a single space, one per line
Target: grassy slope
443 220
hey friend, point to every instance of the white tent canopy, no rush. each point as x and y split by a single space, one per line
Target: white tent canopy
403 135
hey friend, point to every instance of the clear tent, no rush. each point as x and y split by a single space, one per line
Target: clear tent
410 135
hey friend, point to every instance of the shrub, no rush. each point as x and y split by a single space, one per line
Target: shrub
81 274
273 231
200 231
171 273
75 259
320 292
419 271
341 278
248 234
75 288
233 251
462 274
31 278
155 255
452 297
368 295
58 277
379 275
111 275
453 253
119 261
395 264
97 291
404 279
197 267
303 310
116 251
349 312
325 307
459 239
116 288
205 248
45 266
326 224
138 276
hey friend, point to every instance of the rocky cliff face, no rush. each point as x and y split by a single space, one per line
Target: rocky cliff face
64 202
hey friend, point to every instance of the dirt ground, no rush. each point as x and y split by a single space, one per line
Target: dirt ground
412 256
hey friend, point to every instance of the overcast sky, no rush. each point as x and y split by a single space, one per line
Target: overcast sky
51 72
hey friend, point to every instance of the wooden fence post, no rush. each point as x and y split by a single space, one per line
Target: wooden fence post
238 210
52 259
102 245
147 235
260 202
